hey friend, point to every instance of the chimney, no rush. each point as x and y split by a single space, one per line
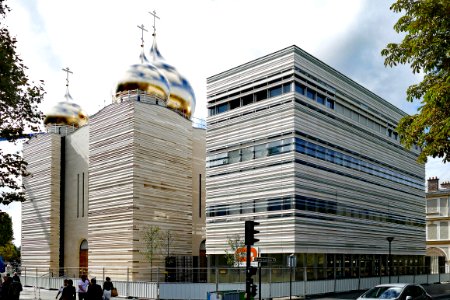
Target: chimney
433 184
445 185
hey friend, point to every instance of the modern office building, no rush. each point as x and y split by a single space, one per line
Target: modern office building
315 159
98 183
438 220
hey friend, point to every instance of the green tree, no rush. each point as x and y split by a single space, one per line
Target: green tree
426 47
10 252
19 113
231 255
6 229
152 245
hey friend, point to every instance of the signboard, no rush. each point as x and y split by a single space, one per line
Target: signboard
241 254
265 259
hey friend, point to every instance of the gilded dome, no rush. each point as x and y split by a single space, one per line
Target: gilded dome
144 77
181 97
66 113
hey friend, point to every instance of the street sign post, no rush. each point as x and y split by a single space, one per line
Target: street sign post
265 259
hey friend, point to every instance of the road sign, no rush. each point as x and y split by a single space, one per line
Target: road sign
265 259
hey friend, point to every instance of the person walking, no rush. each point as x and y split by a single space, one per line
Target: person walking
14 290
83 284
107 288
62 288
69 292
94 291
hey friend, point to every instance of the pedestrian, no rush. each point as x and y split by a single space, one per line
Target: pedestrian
107 288
6 287
14 290
94 291
16 277
62 288
69 292
83 284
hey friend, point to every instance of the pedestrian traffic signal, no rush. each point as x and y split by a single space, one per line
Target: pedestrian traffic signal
250 287
250 232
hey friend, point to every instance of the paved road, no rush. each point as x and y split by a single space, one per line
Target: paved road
437 291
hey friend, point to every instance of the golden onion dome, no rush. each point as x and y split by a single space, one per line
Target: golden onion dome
181 97
66 113
146 78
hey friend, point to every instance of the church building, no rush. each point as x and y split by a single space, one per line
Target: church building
98 183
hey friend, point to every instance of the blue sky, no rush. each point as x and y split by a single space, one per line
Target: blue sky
98 40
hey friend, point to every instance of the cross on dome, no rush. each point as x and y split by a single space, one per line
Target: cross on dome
142 56
67 70
154 21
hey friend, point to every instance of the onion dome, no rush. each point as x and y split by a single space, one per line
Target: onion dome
146 78
66 113
181 97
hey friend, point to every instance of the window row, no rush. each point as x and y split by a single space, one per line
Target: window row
250 153
339 158
313 95
250 98
313 150
310 204
438 206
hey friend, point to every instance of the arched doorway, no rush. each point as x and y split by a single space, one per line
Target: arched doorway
436 260
84 257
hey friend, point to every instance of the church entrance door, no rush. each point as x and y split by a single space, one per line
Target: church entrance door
84 257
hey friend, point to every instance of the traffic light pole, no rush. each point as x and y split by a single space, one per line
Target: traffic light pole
248 274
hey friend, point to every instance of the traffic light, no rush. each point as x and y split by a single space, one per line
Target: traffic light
250 287
250 232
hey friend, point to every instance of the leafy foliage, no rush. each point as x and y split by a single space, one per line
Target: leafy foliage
18 110
234 242
10 252
6 229
426 47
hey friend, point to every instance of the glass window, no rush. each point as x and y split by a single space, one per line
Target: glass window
235 103
248 99
261 95
247 154
320 152
347 112
212 111
321 99
443 231
310 149
299 88
395 135
432 232
260 151
274 147
222 108
310 94
234 156
389 132
338 158
330 103
286 87
275 91
329 155
300 145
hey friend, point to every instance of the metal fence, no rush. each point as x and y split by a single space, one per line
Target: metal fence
281 284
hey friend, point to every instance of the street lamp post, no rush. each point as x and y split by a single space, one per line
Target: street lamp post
389 239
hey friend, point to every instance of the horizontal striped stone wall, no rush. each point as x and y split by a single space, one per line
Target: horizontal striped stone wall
345 209
41 210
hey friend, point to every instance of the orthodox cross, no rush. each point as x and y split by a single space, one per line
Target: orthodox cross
142 34
154 21
67 77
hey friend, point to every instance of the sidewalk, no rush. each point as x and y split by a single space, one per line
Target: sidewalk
31 293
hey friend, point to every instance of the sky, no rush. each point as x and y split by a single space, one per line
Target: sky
99 39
